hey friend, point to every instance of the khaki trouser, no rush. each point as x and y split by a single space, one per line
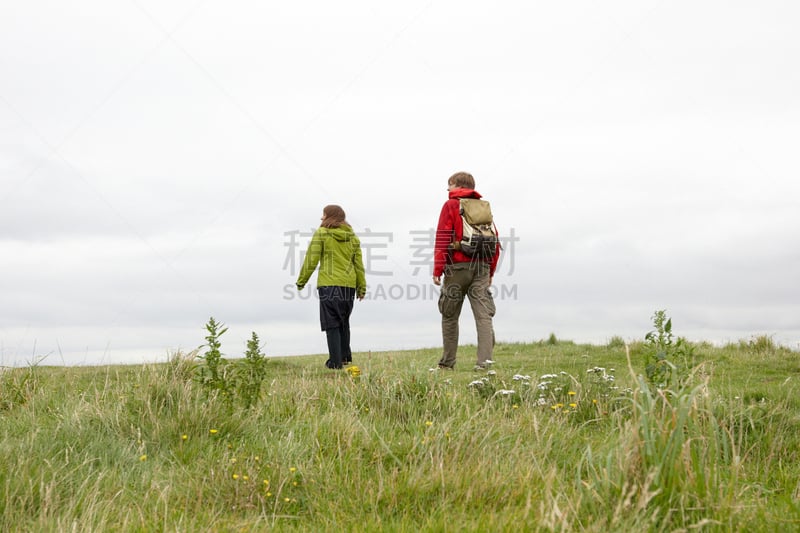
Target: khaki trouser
470 280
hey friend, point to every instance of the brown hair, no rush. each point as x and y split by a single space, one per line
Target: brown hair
462 179
333 217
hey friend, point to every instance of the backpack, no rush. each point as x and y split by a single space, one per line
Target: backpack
478 235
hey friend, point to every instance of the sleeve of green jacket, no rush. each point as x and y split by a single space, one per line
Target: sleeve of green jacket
313 255
361 279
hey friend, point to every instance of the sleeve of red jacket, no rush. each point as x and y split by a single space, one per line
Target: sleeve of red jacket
444 236
496 257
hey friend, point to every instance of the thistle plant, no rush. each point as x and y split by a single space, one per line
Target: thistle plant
668 360
250 372
211 375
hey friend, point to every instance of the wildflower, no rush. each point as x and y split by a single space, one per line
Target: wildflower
594 401
294 483
287 500
293 470
573 405
491 373
213 431
236 476
515 406
246 478
520 377
233 460
504 392
143 458
428 423
572 393
266 483
354 371
269 494
184 436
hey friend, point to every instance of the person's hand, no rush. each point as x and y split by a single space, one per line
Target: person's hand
437 280
360 297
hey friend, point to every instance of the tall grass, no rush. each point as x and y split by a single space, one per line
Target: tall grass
551 439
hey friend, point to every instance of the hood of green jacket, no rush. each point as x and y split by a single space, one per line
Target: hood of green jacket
341 234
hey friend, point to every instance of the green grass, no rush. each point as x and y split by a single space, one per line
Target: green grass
404 448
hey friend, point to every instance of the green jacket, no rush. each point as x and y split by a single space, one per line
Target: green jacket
338 253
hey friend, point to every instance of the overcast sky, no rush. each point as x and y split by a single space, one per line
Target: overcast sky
164 162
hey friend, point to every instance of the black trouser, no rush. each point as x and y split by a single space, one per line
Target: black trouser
335 307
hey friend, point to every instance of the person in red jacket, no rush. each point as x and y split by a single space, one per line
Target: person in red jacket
463 276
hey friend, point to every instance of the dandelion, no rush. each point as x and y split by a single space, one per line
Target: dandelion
294 483
594 401
246 478
143 457
292 470
572 393
266 483
184 436
233 460
573 405
515 406
428 423
287 500
213 431
269 494
236 476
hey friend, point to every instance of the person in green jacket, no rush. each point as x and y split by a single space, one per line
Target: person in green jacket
337 251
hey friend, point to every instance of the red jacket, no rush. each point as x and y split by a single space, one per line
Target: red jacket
449 230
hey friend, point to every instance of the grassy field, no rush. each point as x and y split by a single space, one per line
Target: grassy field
555 437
